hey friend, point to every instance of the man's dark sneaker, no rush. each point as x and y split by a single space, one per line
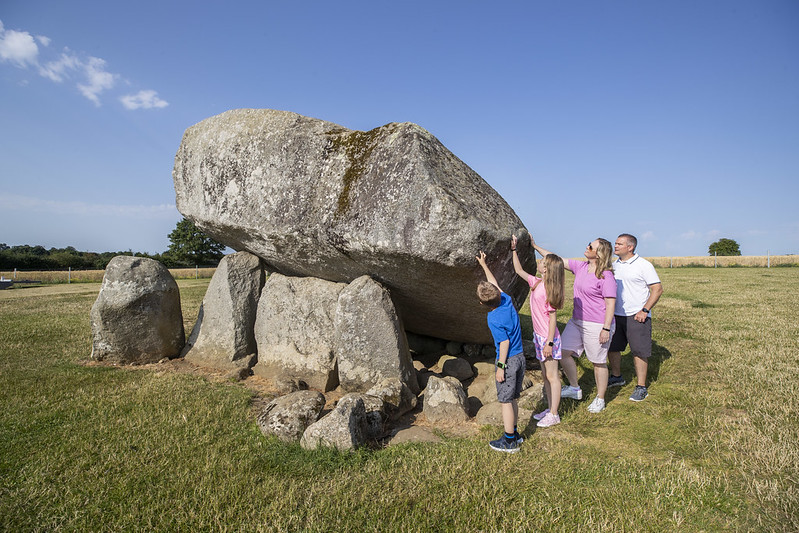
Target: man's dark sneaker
504 444
639 394
616 381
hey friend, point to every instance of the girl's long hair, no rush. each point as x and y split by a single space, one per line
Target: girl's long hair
604 257
554 280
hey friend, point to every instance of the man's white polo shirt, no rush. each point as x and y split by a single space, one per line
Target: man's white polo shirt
633 278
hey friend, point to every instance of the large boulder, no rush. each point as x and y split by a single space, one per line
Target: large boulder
370 340
295 331
315 199
137 318
224 334
445 400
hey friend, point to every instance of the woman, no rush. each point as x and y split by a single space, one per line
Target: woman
591 326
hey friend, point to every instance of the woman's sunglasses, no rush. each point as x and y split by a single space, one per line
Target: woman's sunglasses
590 247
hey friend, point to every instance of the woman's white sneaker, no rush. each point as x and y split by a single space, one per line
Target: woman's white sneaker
596 406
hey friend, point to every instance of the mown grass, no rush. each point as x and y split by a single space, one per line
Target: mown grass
714 448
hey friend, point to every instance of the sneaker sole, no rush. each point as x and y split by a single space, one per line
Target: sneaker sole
637 400
547 425
619 384
506 450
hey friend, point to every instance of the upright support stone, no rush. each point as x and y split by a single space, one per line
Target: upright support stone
370 341
224 334
295 332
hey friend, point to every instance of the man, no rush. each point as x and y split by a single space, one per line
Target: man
638 289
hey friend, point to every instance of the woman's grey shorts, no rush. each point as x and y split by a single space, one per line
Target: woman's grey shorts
511 388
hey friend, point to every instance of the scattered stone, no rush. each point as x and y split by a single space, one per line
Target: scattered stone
315 199
473 351
454 348
445 400
344 428
295 332
413 434
287 417
491 415
397 399
473 405
224 334
424 345
136 318
370 342
454 366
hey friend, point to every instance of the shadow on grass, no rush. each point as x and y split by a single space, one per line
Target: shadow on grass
588 384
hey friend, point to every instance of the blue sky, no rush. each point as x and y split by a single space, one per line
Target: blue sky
676 121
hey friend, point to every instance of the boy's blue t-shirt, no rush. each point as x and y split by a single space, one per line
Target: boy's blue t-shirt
504 325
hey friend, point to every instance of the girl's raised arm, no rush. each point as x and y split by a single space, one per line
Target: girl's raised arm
544 253
517 265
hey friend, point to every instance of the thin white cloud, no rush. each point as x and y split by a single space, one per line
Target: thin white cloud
18 47
98 79
58 70
688 235
648 235
143 100
90 75
29 203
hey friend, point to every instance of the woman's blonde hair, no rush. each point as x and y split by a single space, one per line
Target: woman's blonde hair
604 257
554 280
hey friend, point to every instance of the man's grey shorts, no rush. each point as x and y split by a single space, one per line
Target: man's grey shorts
638 335
511 388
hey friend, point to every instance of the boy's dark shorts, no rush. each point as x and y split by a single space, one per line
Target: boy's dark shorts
511 388
638 335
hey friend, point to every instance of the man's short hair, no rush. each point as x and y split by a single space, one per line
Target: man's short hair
489 294
630 240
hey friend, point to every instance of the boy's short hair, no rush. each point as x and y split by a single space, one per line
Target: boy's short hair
489 294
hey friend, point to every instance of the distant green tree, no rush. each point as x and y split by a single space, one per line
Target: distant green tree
724 247
190 246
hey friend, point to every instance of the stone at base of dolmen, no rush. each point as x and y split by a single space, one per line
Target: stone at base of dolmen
287 417
136 318
370 341
344 428
295 332
224 334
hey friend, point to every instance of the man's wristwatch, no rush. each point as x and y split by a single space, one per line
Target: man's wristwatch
645 310
501 365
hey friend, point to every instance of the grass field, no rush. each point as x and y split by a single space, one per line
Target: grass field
714 448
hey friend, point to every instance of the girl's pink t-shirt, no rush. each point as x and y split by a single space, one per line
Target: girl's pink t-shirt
540 308
590 292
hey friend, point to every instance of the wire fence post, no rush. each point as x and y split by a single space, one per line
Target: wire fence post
15 273
69 275
715 259
671 262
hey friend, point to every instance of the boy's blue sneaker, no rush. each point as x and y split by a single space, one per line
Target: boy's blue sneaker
639 394
504 444
616 381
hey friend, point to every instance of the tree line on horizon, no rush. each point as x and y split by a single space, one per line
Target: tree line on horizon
188 247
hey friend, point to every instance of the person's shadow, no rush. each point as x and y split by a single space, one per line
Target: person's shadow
659 354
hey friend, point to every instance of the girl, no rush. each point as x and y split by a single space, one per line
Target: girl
546 297
592 325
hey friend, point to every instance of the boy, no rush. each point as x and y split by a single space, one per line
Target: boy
503 321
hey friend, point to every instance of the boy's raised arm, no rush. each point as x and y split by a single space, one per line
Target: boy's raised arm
481 258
